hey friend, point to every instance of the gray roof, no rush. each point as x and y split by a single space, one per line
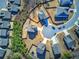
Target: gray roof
3 32
48 31
3 4
4 42
41 15
77 32
2 14
0 21
17 2
31 28
61 10
11 0
41 48
14 8
5 24
2 53
56 49
7 15
63 2
69 41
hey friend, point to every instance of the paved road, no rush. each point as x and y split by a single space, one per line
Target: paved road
71 22
67 25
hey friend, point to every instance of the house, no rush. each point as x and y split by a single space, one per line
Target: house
41 51
42 18
69 42
66 3
11 1
7 16
2 53
17 2
4 33
61 14
2 14
5 25
77 32
3 4
4 42
32 31
56 51
14 9
0 21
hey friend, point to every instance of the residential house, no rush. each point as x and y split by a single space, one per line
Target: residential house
2 14
6 16
3 4
4 42
41 51
56 51
4 33
77 32
5 25
61 14
2 53
14 9
42 18
69 42
0 21
32 31
16 2
65 3
11 1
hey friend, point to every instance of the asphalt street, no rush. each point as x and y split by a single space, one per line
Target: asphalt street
71 22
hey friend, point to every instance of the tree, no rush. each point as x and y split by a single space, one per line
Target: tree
17 44
16 56
66 55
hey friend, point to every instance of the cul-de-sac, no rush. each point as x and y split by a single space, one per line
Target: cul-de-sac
39 29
